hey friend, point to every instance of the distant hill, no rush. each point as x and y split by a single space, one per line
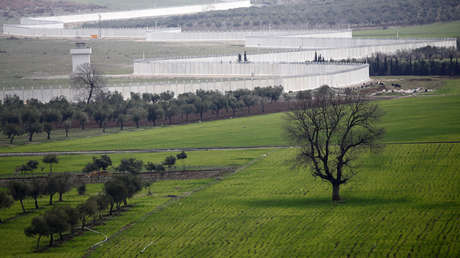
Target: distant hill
314 13
21 8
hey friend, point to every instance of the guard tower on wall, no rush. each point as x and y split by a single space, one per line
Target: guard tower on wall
80 55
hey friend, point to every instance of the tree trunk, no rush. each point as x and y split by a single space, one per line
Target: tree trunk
49 133
111 209
335 192
11 139
36 203
90 94
51 199
22 206
51 240
137 124
60 236
83 223
60 197
38 241
66 132
30 136
121 126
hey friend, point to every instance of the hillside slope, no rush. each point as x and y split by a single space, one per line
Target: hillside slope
308 13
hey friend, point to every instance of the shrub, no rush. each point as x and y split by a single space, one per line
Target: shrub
169 161
150 166
130 165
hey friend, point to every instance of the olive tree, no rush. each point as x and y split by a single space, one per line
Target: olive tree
50 117
50 159
38 227
31 121
37 187
169 161
130 165
65 184
19 191
5 201
51 187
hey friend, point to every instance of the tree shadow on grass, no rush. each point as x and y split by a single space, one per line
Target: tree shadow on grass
321 202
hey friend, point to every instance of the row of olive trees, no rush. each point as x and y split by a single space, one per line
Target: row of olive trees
110 107
21 190
31 165
131 165
65 218
17 118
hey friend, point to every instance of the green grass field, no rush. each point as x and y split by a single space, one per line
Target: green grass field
424 118
404 202
195 160
435 30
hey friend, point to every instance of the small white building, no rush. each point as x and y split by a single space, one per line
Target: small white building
80 55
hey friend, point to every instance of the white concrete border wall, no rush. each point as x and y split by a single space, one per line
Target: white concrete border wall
296 55
199 69
348 75
326 43
343 48
240 35
323 34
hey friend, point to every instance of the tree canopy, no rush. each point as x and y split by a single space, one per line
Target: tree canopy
331 131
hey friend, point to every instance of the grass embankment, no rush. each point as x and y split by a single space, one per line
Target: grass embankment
195 160
404 202
434 30
16 244
423 118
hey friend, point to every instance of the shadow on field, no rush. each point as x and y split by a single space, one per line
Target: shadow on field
439 205
321 202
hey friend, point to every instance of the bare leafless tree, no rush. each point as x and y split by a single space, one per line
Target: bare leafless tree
331 130
89 80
